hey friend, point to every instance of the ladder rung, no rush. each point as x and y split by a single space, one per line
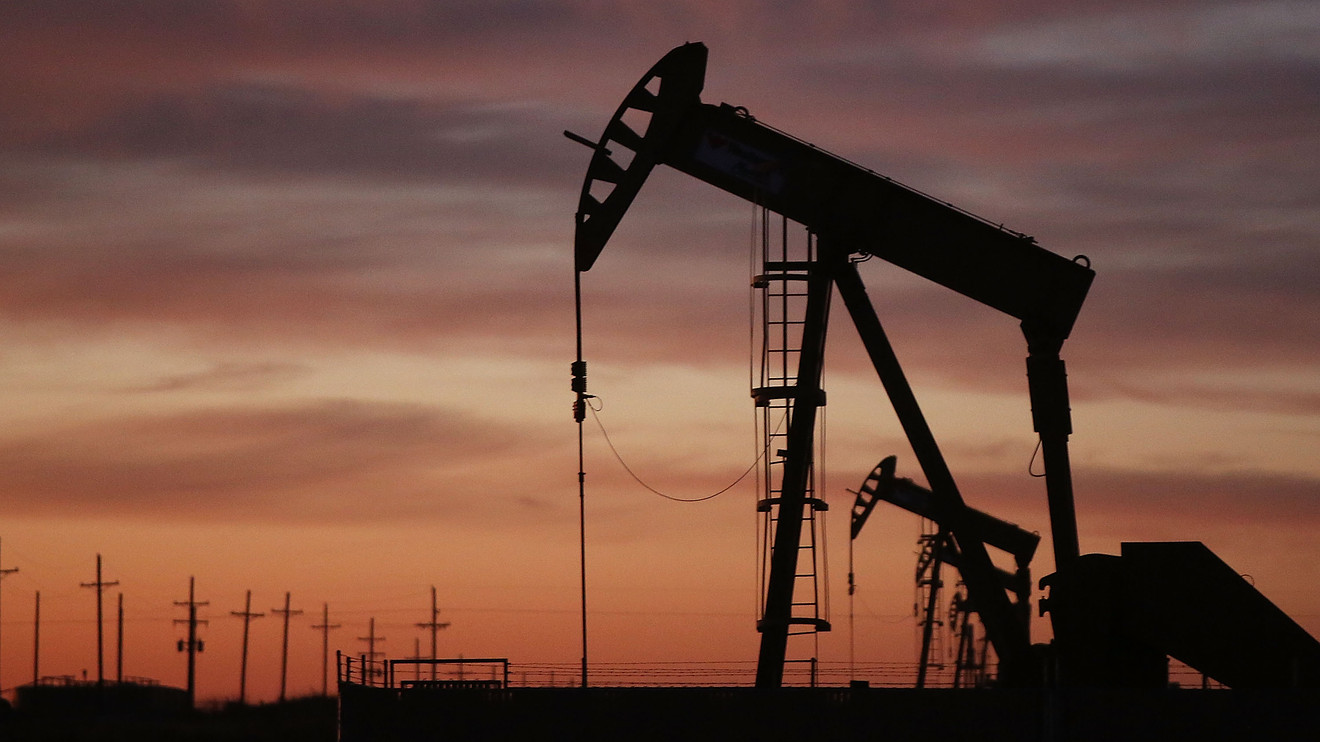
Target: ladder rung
764 394
778 266
763 280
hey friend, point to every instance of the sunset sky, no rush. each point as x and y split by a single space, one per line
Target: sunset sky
286 305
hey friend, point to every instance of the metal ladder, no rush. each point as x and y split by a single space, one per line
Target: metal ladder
929 604
783 293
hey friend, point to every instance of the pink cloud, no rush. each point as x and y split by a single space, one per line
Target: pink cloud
316 462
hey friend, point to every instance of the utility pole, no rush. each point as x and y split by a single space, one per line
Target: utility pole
193 645
36 642
284 657
119 641
371 640
3 574
324 628
100 586
247 616
434 625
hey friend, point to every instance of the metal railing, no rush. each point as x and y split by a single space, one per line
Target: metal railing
421 673
480 672
493 673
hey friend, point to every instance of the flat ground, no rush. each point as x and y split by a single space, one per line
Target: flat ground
304 720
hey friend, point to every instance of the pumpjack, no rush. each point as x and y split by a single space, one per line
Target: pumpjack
1115 619
883 485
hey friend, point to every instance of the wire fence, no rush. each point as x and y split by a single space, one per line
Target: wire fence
500 672
459 672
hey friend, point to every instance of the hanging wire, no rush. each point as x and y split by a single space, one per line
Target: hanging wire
595 413
1031 465
755 298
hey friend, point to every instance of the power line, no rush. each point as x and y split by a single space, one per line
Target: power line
434 625
194 645
3 574
325 627
284 655
100 586
36 641
119 646
371 639
247 615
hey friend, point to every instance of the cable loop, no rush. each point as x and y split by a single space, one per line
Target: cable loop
655 491
1031 465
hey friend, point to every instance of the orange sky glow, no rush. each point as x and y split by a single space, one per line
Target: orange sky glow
287 306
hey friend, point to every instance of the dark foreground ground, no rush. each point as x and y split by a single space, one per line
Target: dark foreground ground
712 715
301 720
826 715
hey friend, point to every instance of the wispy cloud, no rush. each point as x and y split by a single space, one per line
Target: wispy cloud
268 129
228 375
317 462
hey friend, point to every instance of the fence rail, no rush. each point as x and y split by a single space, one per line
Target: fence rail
490 672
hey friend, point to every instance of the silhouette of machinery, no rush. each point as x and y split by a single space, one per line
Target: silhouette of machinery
882 485
1115 618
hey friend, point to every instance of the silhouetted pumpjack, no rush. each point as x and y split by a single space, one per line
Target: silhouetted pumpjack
882 485
854 212
857 212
